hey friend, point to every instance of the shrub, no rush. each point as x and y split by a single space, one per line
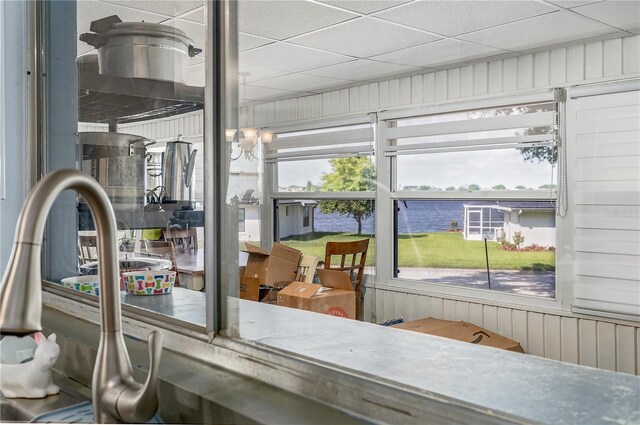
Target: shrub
518 239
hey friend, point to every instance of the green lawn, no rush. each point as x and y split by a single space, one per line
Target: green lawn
436 250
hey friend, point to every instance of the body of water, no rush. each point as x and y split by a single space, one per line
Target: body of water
413 217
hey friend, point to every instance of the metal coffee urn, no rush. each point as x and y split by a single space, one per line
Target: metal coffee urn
179 164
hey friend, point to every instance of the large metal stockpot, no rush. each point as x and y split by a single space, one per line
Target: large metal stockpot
140 49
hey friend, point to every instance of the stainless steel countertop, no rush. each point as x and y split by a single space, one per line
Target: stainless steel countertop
527 386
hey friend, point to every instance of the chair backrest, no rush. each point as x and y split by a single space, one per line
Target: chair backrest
183 239
349 257
164 249
307 268
87 248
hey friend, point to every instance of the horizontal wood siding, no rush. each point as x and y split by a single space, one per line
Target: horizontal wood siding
597 343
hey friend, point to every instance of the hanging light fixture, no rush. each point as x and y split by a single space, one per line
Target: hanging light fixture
247 138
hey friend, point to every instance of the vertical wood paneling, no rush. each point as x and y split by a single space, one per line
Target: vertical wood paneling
558 66
510 74
292 110
405 91
429 87
384 93
453 83
412 308
326 104
466 81
373 96
535 333
525 71
250 121
495 77
394 92
520 327
316 106
335 102
606 334
626 349
476 314
436 307
300 108
242 118
344 101
593 57
575 63
490 317
308 107
631 54
569 335
462 311
353 99
379 303
416 89
400 307
449 310
588 341
552 337
441 85
363 97
424 307
480 78
505 324
612 57
541 69
281 112
389 306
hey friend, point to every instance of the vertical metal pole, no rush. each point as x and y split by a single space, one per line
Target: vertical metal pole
221 244
35 104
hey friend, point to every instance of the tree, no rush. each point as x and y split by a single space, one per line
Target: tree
548 186
473 187
352 174
450 188
521 187
499 187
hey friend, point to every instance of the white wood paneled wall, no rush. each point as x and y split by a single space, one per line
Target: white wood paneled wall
597 343
559 67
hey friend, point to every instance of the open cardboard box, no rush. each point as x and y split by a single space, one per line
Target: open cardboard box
335 295
461 331
267 269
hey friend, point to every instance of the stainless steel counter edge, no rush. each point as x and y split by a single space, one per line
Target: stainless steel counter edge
392 376
361 395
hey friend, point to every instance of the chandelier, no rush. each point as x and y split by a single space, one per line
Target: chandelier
247 138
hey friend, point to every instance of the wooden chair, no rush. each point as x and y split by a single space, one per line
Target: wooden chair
164 249
87 248
349 257
183 239
307 268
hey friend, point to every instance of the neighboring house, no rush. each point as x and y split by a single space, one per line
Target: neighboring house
295 217
248 221
500 221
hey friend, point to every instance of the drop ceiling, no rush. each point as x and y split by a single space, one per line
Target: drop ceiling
298 47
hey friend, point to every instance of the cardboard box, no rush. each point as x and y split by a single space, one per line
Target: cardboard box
461 331
335 296
270 268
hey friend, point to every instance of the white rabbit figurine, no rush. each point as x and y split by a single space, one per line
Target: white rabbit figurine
32 379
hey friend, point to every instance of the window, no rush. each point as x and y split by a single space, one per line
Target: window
241 220
474 198
305 216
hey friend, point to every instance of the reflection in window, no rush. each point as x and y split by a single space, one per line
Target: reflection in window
241 220
499 245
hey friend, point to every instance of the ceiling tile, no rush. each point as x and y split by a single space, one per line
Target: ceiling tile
195 16
247 42
363 37
362 70
559 27
458 17
288 57
568 4
620 14
284 19
166 7
364 6
438 53
91 10
300 82
258 73
261 93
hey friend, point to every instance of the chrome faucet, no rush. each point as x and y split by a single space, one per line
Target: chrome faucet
116 395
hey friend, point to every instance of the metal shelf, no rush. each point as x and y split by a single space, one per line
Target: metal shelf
116 100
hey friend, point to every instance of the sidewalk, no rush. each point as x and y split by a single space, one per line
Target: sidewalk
540 284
